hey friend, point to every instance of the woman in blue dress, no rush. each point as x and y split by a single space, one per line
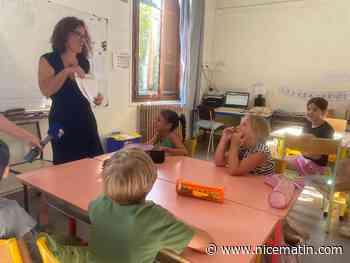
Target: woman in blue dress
57 71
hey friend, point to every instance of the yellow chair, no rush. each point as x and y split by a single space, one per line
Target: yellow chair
9 251
317 146
168 256
339 125
191 146
341 189
45 252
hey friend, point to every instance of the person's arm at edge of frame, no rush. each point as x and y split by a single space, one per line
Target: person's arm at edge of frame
12 129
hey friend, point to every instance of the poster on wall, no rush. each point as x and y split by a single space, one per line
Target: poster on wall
337 96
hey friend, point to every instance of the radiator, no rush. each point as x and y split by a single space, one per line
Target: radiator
147 116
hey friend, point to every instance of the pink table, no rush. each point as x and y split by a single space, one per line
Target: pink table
79 182
248 190
229 223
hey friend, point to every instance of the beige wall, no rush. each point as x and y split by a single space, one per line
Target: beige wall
299 44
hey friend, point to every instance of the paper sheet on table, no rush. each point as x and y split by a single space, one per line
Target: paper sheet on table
88 87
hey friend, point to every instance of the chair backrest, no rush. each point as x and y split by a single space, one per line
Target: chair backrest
310 145
339 125
45 252
9 251
191 146
168 256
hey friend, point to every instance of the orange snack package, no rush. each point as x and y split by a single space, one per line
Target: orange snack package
187 188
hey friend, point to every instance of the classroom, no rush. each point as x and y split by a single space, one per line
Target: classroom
174 131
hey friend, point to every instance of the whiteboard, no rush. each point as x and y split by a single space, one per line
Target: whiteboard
25 30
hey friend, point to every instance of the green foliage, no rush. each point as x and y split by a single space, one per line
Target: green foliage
145 29
146 26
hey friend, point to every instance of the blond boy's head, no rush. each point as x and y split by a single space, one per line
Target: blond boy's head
128 176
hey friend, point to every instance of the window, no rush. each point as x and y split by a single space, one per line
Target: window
156 50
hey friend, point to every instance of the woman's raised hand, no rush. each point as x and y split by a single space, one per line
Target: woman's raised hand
76 71
98 99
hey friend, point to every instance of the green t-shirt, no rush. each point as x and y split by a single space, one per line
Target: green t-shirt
134 233
167 143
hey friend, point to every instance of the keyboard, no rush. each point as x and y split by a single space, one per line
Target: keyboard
228 109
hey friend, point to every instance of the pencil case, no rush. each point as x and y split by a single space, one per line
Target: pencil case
282 194
187 188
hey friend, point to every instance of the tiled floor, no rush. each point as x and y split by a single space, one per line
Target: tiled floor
306 212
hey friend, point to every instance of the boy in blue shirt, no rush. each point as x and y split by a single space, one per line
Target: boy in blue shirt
14 221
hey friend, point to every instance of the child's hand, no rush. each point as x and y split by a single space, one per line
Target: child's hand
228 133
236 138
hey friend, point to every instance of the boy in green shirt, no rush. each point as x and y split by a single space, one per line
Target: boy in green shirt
125 227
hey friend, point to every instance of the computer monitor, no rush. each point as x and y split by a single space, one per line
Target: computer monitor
237 99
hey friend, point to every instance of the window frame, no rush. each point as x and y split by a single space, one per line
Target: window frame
135 62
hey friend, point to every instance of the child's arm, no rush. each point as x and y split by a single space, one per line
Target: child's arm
219 156
24 251
200 241
10 128
179 149
247 165
154 139
243 167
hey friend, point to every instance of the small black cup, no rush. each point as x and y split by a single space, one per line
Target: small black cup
157 156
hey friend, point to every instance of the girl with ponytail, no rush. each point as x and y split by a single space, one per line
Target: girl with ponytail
166 138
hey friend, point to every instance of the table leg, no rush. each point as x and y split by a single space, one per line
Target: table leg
277 241
37 124
44 211
72 227
25 198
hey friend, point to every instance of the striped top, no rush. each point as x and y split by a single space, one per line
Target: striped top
268 167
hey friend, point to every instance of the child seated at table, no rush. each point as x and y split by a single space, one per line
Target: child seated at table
316 126
166 138
14 221
243 149
126 227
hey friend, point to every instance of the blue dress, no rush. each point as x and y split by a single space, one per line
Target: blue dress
73 111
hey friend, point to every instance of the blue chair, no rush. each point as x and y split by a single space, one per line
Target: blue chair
206 121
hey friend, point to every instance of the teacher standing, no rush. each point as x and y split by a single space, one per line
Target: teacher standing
57 71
